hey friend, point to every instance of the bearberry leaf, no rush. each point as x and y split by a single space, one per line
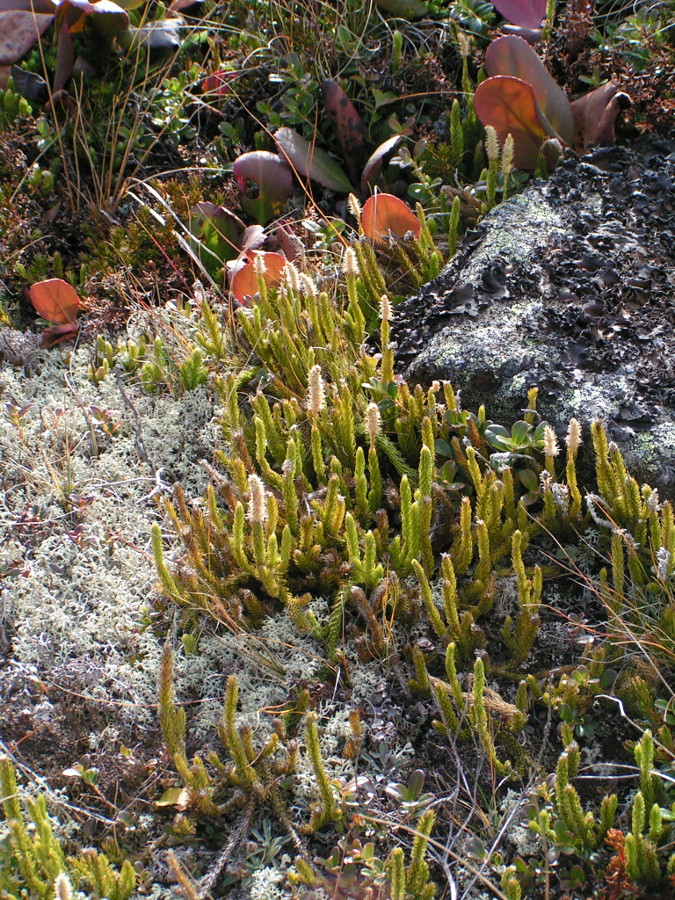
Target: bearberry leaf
384 213
528 13
509 105
244 282
349 128
310 161
272 181
513 56
55 300
19 29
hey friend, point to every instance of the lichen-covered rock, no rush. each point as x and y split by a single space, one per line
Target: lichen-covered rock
569 287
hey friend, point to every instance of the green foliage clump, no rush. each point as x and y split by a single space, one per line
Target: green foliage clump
338 479
33 863
12 106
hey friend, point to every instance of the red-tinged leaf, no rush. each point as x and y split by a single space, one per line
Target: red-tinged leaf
38 6
19 29
65 56
55 300
244 282
107 17
273 179
373 167
218 83
509 105
595 114
73 11
522 12
180 5
404 9
384 213
57 334
310 161
349 127
513 56
285 239
531 35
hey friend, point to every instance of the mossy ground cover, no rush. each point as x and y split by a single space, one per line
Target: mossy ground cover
274 622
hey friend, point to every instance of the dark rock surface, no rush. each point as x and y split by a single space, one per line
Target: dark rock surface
570 287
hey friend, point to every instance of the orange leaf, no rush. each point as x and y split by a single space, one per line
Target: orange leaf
383 213
509 104
244 283
513 56
55 300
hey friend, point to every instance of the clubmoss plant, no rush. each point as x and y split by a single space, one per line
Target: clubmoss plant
33 862
519 636
401 510
253 775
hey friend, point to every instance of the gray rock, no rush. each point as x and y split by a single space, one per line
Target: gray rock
570 287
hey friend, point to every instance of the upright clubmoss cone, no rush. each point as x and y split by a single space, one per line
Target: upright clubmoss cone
260 270
373 429
507 156
307 285
507 164
573 440
292 278
492 151
257 502
354 315
314 403
491 143
373 422
355 208
62 888
316 395
551 448
350 263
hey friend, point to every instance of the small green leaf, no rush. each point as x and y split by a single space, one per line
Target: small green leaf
529 480
520 433
381 98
